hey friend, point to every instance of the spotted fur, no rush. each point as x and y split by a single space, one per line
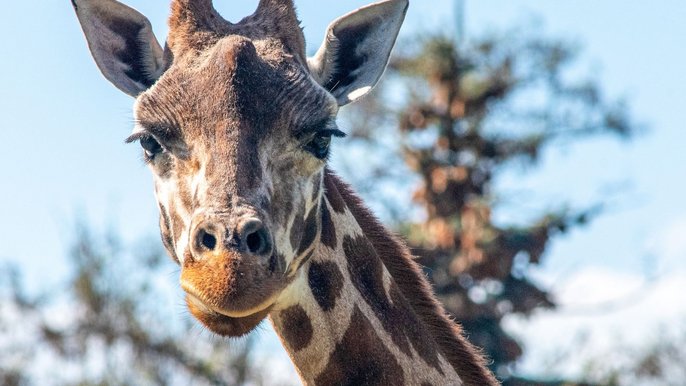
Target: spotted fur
228 114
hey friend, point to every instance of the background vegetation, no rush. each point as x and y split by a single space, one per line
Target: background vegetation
449 120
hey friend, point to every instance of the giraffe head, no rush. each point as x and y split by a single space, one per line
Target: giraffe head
235 122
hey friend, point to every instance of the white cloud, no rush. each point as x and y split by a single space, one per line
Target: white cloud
670 245
601 310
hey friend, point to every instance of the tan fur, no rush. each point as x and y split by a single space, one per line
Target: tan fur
331 326
463 356
247 208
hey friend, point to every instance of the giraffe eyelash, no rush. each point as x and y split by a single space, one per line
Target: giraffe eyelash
333 132
137 136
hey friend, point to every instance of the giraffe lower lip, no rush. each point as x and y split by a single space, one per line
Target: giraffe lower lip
200 304
197 302
222 324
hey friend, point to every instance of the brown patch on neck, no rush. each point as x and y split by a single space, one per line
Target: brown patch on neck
395 314
326 282
469 364
361 358
297 328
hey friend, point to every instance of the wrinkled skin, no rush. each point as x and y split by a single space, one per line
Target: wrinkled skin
222 166
235 122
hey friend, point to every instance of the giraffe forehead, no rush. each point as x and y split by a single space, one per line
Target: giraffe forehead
236 84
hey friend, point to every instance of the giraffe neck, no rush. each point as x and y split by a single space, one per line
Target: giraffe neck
346 320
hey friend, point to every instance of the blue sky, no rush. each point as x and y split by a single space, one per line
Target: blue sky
63 127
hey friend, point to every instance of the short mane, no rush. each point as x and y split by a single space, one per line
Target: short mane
400 263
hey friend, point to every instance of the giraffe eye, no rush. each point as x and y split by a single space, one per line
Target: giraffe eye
150 146
319 145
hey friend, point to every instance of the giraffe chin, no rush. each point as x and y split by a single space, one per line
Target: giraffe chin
221 324
230 293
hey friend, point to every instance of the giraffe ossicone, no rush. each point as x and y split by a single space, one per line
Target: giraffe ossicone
235 122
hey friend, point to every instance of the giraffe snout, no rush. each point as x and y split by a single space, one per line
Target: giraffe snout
229 277
248 236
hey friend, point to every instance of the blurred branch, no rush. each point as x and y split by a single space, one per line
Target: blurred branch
110 311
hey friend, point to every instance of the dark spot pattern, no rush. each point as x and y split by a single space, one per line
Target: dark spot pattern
297 228
309 231
398 318
328 236
333 195
326 282
360 358
297 328
462 355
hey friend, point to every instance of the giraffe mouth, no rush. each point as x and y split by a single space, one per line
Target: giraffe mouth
222 324
230 293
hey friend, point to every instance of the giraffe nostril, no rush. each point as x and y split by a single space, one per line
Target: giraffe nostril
251 237
256 238
255 243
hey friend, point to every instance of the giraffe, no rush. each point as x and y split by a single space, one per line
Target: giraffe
236 122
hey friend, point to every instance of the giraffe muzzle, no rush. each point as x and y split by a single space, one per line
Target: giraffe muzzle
229 278
249 237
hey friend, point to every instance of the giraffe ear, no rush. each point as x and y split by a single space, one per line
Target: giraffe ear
355 52
122 43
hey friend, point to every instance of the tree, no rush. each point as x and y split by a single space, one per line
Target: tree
460 116
450 120
113 325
